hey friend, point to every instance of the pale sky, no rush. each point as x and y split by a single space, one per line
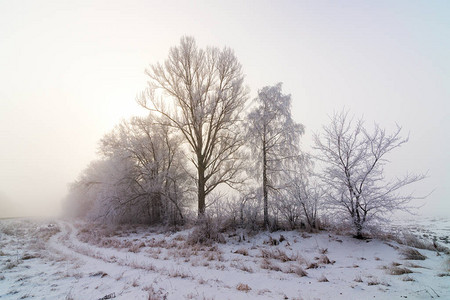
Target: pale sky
70 71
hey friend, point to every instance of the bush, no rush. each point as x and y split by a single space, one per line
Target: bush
206 233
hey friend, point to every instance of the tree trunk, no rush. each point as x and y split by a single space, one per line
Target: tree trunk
201 191
266 205
358 225
156 208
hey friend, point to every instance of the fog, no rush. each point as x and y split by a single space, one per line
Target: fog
70 71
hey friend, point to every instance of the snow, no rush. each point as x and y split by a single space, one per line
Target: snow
73 260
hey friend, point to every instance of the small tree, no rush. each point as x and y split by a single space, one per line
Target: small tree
201 93
274 137
304 193
354 160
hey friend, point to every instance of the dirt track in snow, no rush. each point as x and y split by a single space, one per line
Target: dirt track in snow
82 262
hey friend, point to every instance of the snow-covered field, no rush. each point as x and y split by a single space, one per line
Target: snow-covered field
70 260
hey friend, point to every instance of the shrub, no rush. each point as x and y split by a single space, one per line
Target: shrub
206 233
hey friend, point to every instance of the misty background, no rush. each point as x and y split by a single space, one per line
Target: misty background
70 71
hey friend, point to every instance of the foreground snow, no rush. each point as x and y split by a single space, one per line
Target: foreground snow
64 260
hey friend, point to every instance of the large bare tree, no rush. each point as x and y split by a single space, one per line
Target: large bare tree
354 160
201 93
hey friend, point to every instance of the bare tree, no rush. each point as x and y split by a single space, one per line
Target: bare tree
303 195
201 93
157 178
274 137
354 161
140 177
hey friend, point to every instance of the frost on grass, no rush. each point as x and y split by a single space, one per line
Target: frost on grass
412 254
196 267
397 270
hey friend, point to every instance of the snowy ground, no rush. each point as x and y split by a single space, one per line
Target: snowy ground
64 260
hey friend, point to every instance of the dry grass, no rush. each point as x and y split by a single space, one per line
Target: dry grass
323 250
155 294
397 270
323 259
358 279
412 265
296 270
412 254
267 264
322 279
408 278
447 264
242 267
11 265
242 251
27 256
278 255
178 273
412 240
243 287
373 281
206 233
312 266
100 274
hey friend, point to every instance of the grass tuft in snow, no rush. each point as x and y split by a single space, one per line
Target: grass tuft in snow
373 281
397 270
242 267
323 259
242 251
412 254
278 255
11 265
243 287
408 278
296 270
268 265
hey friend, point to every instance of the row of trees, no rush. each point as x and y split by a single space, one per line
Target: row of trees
199 137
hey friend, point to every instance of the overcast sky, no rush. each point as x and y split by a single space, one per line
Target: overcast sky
70 71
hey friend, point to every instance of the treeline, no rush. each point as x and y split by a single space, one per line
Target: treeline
206 151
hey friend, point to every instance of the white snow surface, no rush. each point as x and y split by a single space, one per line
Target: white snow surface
72 260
